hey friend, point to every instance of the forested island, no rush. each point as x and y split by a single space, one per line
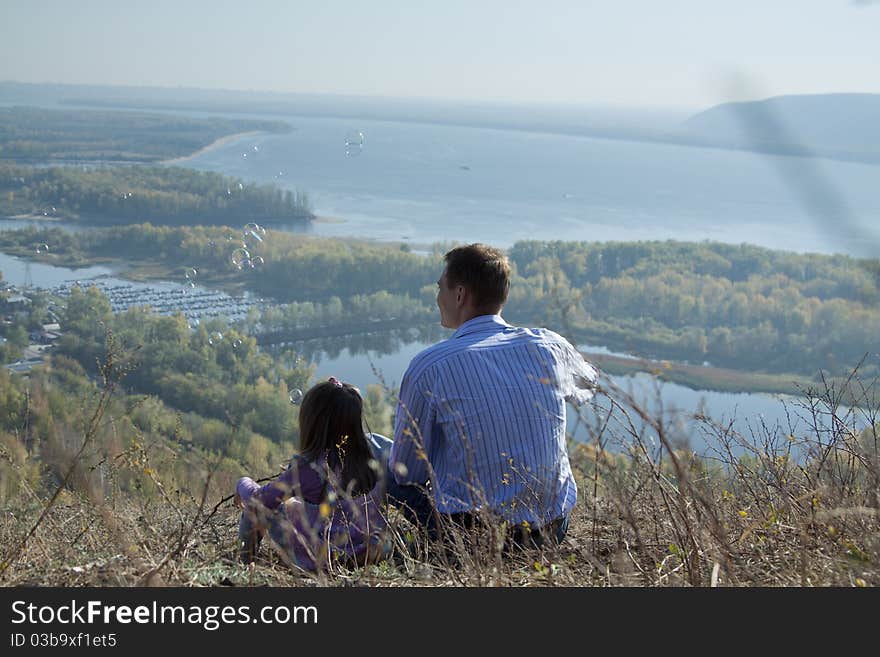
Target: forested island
134 194
33 135
735 306
740 306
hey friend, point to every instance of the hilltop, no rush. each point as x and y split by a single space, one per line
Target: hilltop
839 126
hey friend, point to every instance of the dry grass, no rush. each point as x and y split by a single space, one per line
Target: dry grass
614 547
776 507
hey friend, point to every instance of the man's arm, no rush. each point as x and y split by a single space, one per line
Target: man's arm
581 378
412 433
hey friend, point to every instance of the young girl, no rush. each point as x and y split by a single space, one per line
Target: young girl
328 503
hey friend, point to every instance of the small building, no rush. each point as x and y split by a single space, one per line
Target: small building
50 333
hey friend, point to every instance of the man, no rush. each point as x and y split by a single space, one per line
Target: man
480 424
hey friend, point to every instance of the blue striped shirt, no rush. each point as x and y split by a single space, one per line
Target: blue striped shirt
482 417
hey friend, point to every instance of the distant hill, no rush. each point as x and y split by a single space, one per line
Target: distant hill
840 126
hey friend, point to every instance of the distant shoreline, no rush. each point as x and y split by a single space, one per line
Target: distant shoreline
667 133
32 217
703 377
217 143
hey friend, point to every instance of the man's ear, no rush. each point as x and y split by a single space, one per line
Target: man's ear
460 294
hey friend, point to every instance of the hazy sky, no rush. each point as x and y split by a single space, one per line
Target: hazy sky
633 52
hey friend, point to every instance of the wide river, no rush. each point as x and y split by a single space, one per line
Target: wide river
427 183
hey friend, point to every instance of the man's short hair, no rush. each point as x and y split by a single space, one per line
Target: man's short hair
483 270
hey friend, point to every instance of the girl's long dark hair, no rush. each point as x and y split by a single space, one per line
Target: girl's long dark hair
331 423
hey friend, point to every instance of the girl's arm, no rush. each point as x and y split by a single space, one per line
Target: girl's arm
302 478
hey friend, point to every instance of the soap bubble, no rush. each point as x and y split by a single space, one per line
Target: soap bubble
239 256
191 273
236 343
240 186
254 230
215 338
354 143
296 396
257 262
41 248
354 138
256 150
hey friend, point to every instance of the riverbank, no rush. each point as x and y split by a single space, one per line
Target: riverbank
33 217
700 377
217 143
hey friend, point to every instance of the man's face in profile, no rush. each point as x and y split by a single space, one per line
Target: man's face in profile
446 302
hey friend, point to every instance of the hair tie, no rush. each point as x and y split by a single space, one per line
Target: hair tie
335 381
